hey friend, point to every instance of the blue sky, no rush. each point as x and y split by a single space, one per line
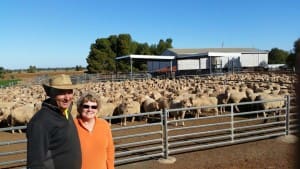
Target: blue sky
58 33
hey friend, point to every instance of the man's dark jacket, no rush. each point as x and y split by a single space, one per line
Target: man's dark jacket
53 142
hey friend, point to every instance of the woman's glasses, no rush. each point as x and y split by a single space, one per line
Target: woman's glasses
88 106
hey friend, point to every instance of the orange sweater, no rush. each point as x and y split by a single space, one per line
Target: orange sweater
97 147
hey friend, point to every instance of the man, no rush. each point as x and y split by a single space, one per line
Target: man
53 142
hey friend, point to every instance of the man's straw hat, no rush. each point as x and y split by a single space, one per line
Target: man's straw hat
60 82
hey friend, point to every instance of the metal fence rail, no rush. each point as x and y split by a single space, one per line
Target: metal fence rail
161 138
233 128
149 145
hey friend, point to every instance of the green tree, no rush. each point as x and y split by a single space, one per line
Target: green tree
277 56
291 60
124 45
2 72
143 49
78 68
293 56
297 47
161 47
169 43
153 49
113 39
102 53
101 57
32 69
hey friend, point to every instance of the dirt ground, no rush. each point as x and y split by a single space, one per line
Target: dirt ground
275 153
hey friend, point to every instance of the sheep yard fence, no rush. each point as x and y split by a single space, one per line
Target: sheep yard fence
164 135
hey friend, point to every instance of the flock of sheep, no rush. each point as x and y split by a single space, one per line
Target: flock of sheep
19 103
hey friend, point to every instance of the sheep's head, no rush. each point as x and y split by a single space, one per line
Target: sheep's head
186 103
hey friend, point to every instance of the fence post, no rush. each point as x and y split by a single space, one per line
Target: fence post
166 159
232 122
287 114
165 134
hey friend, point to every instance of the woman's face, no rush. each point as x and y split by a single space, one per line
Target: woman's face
63 98
89 110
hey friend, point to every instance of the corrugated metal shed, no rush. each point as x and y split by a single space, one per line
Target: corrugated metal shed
219 57
204 58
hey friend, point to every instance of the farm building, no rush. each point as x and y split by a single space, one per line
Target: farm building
212 59
158 61
203 60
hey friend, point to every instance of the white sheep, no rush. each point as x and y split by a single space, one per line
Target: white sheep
163 103
179 103
204 100
4 114
270 104
107 110
223 98
236 96
21 114
127 108
150 105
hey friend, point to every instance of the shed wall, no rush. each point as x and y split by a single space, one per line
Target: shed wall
254 60
188 64
245 60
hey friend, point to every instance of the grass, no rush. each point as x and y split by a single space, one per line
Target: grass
6 83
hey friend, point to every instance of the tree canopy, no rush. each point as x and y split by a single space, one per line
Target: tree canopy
277 56
291 59
1 72
103 52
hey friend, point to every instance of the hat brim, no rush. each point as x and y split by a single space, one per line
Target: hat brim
48 88
61 87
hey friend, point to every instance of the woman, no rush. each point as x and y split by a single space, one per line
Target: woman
95 135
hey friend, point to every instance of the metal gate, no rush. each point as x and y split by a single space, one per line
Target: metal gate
160 137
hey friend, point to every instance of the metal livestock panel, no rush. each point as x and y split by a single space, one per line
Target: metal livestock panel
213 130
160 137
150 144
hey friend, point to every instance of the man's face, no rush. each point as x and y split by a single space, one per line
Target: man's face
63 98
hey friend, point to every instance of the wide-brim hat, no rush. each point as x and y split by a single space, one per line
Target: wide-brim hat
60 82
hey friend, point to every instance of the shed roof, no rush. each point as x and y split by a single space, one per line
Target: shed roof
179 51
211 52
147 57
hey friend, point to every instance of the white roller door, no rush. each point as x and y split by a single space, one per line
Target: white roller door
188 64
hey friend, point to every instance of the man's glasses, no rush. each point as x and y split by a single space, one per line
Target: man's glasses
88 106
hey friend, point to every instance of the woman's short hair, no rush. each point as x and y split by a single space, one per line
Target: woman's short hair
90 96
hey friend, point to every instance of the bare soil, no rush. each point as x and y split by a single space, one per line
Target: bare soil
272 153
